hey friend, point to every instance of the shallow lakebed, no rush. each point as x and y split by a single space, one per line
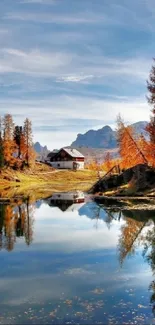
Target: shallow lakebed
76 263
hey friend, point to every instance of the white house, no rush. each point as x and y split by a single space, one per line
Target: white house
66 158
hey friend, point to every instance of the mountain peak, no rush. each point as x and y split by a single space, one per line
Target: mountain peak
104 137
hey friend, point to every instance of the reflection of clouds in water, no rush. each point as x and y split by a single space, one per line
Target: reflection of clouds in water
39 288
47 270
67 231
33 290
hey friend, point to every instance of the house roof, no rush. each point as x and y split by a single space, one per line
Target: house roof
73 152
51 154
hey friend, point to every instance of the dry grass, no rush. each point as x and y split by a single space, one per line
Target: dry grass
42 182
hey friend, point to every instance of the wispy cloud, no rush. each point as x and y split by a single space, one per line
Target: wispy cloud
88 60
58 111
32 62
69 66
56 18
75 78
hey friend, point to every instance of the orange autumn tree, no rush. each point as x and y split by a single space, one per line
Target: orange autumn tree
1 146
9 145
92 165
151 125
129 150
28 144
145 147
108 162
16 147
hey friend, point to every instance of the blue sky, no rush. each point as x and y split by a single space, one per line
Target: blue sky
72 65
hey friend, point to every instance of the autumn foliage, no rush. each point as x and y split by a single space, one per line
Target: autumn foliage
16 147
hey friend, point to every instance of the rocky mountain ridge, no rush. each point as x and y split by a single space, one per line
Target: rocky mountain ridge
105 137
39 148
42 151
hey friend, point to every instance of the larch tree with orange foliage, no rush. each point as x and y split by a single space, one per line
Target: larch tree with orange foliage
129 151
29 151
9 145
1 146
144 146
151 100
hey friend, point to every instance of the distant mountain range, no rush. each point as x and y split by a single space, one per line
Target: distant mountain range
41 151
38 148
94 143
105 137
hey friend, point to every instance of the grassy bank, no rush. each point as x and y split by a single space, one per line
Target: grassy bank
43 181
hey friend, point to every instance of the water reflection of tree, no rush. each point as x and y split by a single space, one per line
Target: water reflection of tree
111 215
2 217
16 220
149 253
100 212
131 236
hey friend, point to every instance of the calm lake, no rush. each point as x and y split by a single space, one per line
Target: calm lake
80 263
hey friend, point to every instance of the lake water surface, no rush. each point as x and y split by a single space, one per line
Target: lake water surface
76 264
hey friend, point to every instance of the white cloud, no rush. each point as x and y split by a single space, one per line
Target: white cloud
64 107
79 18
67 66
58 109
75 78
47 63
115 14
33 62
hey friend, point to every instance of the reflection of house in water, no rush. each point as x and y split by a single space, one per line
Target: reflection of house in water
69 201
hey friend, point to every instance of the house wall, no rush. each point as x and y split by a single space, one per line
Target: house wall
66 164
